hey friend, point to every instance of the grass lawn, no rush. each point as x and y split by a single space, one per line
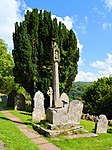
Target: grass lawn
102 142
13 138
24 116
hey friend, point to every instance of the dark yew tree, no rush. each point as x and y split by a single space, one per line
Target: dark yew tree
33 54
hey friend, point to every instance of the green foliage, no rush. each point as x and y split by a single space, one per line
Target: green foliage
21 90
32 52
6 69
6 72
98 97
77 90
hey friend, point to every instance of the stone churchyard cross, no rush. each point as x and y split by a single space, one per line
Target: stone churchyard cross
50 93
56 58
62 113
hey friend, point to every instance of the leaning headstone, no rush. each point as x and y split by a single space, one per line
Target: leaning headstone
39 110
10 99
75 111
19 102
101 124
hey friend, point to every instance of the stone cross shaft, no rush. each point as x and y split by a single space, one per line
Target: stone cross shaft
56 58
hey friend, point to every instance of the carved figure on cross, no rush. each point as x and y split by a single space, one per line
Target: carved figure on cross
56 52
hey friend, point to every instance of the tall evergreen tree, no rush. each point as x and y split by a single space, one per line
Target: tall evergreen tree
33 54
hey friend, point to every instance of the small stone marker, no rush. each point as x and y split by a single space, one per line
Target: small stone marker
50 93
10 99
39 110
19 102
65 99
101 124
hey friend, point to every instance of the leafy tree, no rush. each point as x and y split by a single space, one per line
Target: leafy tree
33 54
6 69
98 97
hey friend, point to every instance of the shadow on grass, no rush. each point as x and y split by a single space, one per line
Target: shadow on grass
22 123
17 122
109 131
93 130
25 114
5 118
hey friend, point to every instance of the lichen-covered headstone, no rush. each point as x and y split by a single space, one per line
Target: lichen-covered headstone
75 111
19 102
101 124
39 110
10 99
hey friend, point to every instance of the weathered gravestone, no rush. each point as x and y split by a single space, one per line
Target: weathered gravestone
101 124
10 99
19 102
65 115
39 110
75 111
65 99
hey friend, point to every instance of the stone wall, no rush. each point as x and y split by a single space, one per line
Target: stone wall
93 118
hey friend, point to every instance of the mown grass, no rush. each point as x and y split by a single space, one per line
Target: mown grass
88 125
102 142
13 138
24 116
